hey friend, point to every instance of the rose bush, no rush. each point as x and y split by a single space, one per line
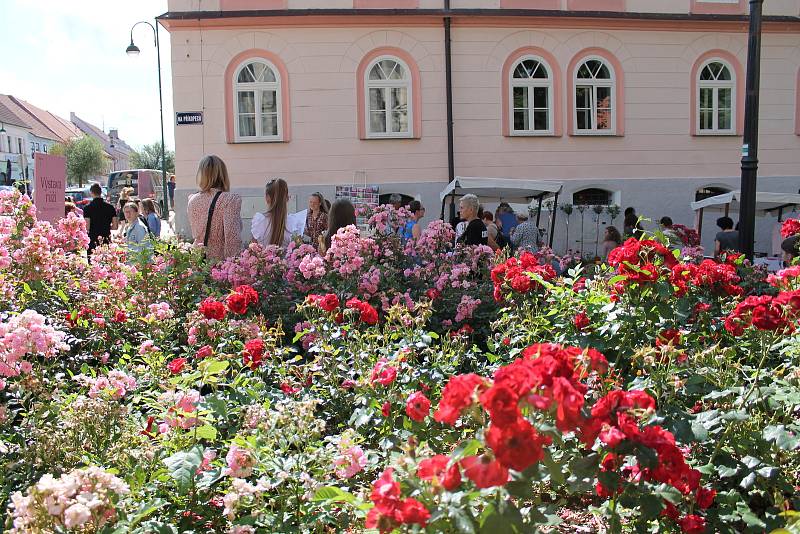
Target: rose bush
391 385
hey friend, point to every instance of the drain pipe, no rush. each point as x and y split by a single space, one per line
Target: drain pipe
448 73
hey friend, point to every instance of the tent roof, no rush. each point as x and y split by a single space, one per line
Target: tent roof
765 201
501 189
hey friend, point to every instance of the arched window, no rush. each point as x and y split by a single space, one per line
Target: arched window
531 97
388 86
592 196
716 97
257 102
710 191
594 97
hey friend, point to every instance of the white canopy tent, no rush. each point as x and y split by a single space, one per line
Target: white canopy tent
766 203
511 190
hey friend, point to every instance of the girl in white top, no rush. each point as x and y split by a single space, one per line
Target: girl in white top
270 228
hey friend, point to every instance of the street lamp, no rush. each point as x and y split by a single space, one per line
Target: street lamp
747 210
133 50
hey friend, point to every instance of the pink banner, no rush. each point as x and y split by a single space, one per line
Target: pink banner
50 186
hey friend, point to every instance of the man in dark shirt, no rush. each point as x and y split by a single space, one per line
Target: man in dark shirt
727 239
476 232
101 217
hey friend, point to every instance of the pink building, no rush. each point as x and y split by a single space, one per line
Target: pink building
626 102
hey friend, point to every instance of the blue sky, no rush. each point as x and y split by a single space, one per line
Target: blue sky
67 56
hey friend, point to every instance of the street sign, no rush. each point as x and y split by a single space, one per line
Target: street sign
189 117
51 182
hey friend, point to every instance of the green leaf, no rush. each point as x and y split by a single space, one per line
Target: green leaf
463 522
748 481
465 448
206 432
750 461
781 438
333 494
183 465
213 367
146 510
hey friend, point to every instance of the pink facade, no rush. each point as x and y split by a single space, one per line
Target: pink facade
638 121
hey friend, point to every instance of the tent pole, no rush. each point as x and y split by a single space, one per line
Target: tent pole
553 220
699 222
727 210
539 211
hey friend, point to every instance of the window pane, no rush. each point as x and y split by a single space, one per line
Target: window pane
540 97
583 97
377 99
540 120
399 121
377 121
521 120
603 73
376 73
724 119
269 102
706 97
269 124
520 97
399 109
269 76
583 71
258 71
246 75
724 73
246 101
603 108
706 122
724 98
247 125
584 120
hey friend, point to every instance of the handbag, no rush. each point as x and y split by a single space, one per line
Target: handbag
210 216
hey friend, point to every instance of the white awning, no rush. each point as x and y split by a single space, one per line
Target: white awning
764 201
510 190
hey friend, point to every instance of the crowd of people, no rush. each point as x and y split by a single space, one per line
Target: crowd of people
215 220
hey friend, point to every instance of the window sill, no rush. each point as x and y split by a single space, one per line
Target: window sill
389 137
532 134
262 140
717 134
595 134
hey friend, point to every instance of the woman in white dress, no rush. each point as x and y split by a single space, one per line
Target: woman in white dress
269 228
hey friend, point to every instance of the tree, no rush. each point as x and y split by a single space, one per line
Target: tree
85 157
149 157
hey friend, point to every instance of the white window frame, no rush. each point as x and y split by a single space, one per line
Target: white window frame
406 83
257 88
715 85
529 84
594 83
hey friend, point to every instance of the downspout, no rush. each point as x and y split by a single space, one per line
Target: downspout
448 73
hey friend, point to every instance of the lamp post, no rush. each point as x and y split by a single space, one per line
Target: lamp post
133 50
747 211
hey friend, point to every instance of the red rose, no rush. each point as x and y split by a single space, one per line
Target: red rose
120 316
413 512
212 309
386 409
369 314
250 294
237 303
516 446
176 365
521 283
693 524
457 396
288 389
329 302
383 373
418 406
435 470
204 352
484 471
433 293
705 497
501 403
790 227
581 320
253 353
669 336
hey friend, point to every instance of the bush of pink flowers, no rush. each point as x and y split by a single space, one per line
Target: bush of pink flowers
401 385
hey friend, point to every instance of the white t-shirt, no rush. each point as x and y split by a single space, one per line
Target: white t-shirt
261 228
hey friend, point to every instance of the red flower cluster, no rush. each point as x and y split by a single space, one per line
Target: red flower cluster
790 227
785 279
253 353
212 309
176 365
640 261
458 394
435 470
615 419
581 320
328 303
518 274
241 298
367 313
777 314
708 276
390 511
383 373
418 406
688 236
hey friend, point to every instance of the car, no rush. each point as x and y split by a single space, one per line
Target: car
146 183
80 195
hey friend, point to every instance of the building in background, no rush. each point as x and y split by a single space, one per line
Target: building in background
40 137
628 102
14 132
117 151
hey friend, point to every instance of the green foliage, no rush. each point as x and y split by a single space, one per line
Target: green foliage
149 157
85 158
